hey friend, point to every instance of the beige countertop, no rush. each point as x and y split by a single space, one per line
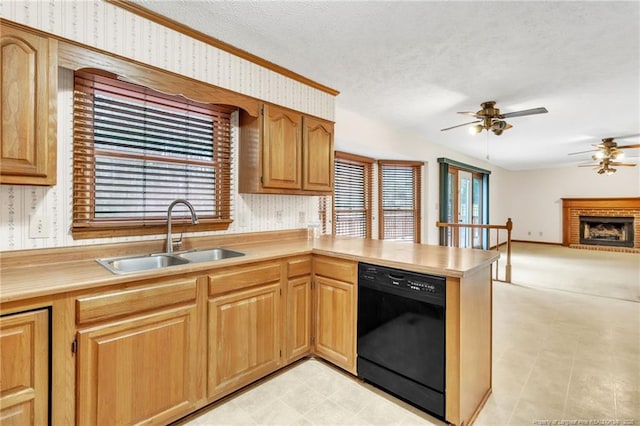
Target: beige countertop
21 279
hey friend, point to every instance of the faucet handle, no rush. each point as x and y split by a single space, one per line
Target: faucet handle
177 244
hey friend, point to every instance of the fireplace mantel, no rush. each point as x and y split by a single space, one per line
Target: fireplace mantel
573 208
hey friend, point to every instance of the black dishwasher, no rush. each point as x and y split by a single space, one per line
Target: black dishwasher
401 334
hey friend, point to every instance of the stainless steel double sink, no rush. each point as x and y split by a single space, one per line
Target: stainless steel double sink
137 263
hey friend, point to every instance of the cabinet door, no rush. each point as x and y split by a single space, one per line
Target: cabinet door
24 368
28 86
317 145
335 325
244 338
140 369
298 322
281 149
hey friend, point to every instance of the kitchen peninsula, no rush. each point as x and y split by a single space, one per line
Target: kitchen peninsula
228 322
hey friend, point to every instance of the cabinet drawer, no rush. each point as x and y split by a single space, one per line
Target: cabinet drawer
232 279
132 300
338 269
298 267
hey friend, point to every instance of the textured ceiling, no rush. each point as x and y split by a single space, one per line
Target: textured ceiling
412 65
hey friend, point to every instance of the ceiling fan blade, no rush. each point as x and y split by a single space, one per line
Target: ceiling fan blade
472 114
622 164
460 125
626 136
583 152
629 146
532 111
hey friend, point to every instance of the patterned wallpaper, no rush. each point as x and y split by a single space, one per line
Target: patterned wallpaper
107 27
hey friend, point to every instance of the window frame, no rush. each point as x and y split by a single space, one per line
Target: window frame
416 167
367 164
85 225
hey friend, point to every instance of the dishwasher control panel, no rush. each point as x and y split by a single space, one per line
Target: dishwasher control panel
400 279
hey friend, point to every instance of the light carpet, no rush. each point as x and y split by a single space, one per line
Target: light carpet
592 272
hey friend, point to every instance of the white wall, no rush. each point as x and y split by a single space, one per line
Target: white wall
535 203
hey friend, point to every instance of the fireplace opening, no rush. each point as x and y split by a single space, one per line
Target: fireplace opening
606 231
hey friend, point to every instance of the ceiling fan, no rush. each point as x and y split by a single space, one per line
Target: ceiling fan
609 149
491 118
605 166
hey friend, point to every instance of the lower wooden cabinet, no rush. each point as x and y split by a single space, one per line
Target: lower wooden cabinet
298 310
152 351
139 368
244 327
335 293
24 365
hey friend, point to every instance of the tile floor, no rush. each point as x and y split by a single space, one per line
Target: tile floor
558 356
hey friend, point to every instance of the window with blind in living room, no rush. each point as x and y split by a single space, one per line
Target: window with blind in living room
399 186
136 150
353 177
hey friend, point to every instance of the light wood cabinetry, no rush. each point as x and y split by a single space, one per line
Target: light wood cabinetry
317 148
284 152
24 368
298 315
137 364
281 148
28 88
244 326
335 322
468 345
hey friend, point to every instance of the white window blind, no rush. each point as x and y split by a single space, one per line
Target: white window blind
400 188
352 196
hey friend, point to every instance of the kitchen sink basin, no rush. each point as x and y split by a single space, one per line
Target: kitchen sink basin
137 263
208 255
122 265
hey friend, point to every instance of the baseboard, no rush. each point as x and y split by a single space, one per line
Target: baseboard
504 243
549 243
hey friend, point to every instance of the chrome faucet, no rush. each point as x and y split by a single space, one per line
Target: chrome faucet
194 219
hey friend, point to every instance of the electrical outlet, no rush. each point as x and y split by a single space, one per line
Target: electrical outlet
38 226
540 233
279 216
302 218
529 233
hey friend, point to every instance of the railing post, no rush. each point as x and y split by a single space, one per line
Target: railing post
508 267
498 250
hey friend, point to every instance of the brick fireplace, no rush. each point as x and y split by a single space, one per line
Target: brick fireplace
608 215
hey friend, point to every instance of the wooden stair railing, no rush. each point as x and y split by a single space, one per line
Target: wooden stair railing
508 226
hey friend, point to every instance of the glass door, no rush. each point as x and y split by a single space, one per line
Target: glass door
464 203
464 207
476 211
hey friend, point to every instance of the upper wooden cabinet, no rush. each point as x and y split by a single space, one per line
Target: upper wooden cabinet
281 149
24 364
317 148
28 88
284 152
